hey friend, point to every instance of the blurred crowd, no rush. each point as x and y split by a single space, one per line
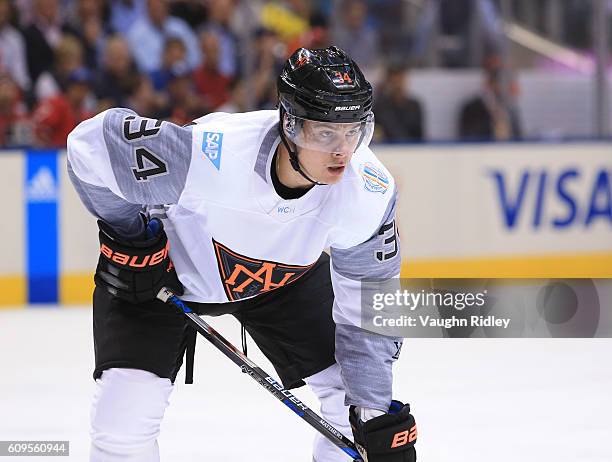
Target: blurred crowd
62 61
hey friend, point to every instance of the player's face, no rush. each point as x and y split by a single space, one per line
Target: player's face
328 149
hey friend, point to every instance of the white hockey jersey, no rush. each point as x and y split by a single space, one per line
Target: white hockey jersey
231 235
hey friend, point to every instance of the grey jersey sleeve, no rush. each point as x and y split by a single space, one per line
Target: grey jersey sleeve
119 162
365 358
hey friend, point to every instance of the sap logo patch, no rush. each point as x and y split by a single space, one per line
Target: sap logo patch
375 180
212 143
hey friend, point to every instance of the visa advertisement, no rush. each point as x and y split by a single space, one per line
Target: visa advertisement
504 210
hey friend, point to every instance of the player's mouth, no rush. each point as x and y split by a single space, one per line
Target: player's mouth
336 169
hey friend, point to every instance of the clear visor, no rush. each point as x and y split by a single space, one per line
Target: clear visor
328 136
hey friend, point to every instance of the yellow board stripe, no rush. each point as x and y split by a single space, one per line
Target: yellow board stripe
77 288
12 291
549 266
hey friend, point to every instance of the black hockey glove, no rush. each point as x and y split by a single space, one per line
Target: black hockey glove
387 438
135 270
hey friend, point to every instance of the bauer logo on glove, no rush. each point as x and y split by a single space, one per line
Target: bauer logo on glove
133 260
136 269
387 438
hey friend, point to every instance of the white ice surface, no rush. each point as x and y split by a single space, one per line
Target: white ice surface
475 400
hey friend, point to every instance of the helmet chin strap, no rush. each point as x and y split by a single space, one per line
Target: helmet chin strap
294 161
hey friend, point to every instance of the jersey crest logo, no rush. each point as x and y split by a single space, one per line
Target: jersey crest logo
245 277
212 143
375 180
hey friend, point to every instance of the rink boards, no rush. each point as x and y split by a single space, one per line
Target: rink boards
478 210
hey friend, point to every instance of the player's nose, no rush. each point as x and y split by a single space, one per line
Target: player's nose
342 149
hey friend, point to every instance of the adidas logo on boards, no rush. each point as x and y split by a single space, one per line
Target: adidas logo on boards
42 186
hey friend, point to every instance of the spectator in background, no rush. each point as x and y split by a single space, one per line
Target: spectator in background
183 105
174 53
399 116
393 23
269 62
462 32
211 84
55 117
577 23
118 77
238 98
289 20
147 36
319 35
12 49
220 13
354 35
24 12
490 116
14 126
68 56
193 12
125 13
143 99
87 24
42 36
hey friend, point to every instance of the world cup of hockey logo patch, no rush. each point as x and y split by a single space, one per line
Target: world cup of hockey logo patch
245 277
375 180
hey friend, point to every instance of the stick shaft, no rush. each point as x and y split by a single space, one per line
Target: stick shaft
262 378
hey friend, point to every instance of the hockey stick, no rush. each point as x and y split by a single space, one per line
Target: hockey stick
261 377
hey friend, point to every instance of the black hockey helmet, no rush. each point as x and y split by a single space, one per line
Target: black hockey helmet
326 91
324 85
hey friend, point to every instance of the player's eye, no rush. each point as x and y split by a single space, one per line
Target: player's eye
353 132
324 134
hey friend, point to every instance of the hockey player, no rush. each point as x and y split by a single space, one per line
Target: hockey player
246 203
